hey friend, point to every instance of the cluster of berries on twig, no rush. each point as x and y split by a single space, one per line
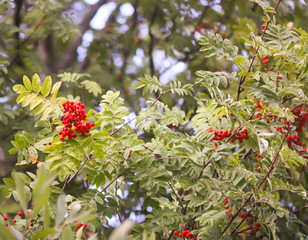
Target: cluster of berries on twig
301 117
186 234
223 134
74 117
18 216
85 226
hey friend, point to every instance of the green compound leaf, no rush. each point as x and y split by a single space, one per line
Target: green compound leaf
36 83
46 86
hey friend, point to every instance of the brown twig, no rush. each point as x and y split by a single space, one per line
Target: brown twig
71 178
243 78
241 222
114 132
65 182
26 40
69 56
260 184
199 177
151 44
177 197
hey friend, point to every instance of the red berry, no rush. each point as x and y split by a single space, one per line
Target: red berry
175 233
31 224
242 215
256 228
5 218
19 214
87 233
226 207
259 105
226 200
188 235
85 225
259 169
14 220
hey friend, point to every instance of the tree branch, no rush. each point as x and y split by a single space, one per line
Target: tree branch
260 184
243 78
151 45
70 55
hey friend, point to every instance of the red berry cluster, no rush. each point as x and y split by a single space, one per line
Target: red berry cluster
260 112
19 214
5 217
221 134
265 60
300 121
229 212
75 115
84 225
186 234
256 228
302 117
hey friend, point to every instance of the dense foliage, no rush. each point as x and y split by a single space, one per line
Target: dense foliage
217 153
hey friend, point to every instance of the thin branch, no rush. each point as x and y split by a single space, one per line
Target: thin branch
243 78
114 132
107 186
241 222
271 168
65 182
170 236
177 197
71 178
199 177
260 184
300 209
70 55
15 57
151 45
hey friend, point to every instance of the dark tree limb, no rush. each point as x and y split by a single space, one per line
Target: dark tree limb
70 55
151 44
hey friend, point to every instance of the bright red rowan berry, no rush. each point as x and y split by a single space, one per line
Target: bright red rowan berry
175 233
5 218
19 214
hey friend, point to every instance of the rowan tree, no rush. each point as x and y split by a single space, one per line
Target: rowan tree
96 132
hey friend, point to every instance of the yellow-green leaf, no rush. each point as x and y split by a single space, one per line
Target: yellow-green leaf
27 82
36 102
46 86
36 83
28 99
55 90
22 96
18 88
